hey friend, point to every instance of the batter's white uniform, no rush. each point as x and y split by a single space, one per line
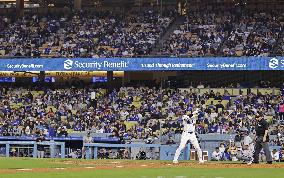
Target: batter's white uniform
188 134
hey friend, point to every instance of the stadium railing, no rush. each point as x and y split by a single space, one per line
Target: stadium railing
166 152
51 144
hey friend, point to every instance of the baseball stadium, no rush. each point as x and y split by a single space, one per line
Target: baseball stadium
141 88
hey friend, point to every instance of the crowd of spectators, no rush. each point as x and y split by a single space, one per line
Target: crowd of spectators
227 34
201 36
82 34
107 34
280 49
128 113
254 34
227 151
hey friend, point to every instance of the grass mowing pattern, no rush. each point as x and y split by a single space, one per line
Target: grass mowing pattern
167 172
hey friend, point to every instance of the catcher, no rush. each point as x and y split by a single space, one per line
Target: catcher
246 152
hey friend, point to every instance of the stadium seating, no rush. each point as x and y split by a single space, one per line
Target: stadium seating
132 112
83 35
105 34
227 34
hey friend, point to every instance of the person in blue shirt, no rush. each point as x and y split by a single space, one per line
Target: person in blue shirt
52 131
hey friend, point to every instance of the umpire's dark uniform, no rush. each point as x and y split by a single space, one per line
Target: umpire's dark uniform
260 128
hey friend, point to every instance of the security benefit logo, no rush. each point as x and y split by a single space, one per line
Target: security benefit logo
273 63
68 64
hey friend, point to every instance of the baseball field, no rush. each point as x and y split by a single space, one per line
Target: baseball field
70 168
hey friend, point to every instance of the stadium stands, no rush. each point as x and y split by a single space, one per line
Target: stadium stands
202 36
280 49
226 34
106 34
85 34
129 113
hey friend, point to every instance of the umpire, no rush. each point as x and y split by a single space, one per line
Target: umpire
262 139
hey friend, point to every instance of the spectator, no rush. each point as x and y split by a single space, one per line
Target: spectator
216 155
222 149
219 107
275 155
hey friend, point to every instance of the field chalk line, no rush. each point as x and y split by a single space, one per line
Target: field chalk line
114 162
24 169
89 167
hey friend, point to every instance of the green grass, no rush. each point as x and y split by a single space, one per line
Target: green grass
167 172
24 163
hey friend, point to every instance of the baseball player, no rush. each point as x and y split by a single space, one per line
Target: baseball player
86 139
189 135
246 153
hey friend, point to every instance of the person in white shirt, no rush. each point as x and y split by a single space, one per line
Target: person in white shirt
200 85
123 114
222 148
27 131
100 129
275 155
73 155
189 135
216 155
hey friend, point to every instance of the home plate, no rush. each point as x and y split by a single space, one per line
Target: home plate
89 167
119 166
143 165
169 164
60 168
24 169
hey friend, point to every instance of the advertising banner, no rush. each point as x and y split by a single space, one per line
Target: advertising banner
142 64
